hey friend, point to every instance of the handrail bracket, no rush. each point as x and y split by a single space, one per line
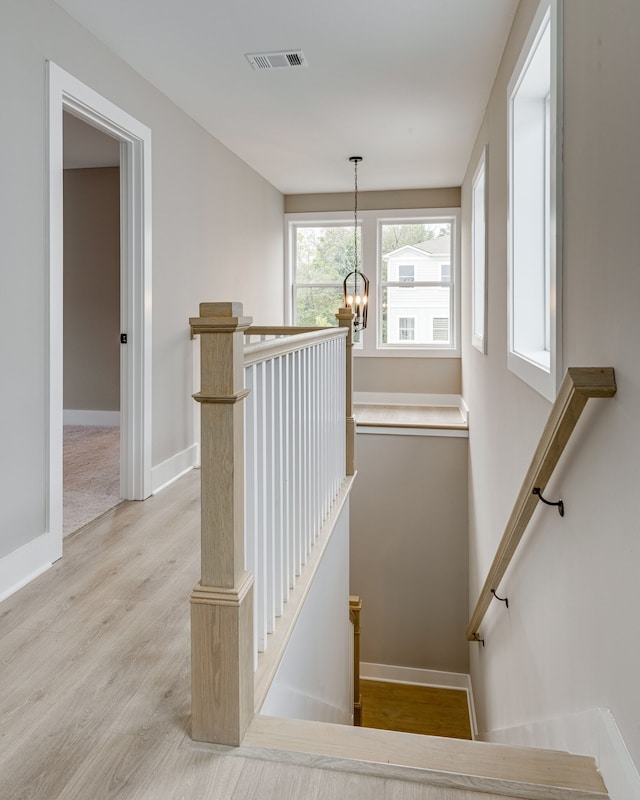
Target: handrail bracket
504 600
559 504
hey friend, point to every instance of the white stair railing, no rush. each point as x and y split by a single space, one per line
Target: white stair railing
294 459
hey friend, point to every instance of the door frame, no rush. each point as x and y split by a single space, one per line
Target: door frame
67 93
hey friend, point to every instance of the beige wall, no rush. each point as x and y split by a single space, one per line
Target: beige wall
409 550
568 642
420 375
92 289
373 201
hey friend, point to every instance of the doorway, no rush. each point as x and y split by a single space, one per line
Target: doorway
67 94
91 320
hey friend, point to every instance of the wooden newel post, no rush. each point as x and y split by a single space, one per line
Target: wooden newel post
345 317
222 603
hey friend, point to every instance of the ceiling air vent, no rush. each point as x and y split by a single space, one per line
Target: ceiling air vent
277 60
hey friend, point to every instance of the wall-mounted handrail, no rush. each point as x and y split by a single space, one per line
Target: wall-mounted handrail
579 384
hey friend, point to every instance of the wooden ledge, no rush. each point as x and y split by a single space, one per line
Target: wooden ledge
516 772
409 416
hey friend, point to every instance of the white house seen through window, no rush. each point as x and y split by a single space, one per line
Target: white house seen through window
429 295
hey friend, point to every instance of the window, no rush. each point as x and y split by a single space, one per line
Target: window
430 295
479 255
410 258
534 203
406 273
322 256
407 329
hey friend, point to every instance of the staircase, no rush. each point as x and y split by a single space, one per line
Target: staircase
454 769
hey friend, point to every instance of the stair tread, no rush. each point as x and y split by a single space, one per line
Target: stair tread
546 769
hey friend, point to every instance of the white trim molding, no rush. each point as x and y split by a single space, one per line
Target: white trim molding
480 252
166 473
21 566
67 93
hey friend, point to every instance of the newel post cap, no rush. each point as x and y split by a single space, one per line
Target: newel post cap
219 317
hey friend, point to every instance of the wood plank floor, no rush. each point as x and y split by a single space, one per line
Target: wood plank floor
427 710
95 679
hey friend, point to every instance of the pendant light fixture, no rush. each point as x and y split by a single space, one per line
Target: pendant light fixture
356 284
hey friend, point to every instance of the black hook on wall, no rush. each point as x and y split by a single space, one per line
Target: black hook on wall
504 600
559 503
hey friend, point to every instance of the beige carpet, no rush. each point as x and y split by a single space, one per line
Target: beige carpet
91 474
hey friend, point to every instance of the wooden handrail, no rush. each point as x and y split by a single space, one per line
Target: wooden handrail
579 384
281 330
298 339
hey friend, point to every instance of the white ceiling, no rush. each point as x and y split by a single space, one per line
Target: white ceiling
403 84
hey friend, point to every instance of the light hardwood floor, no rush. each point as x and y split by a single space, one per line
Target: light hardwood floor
428 710
95 679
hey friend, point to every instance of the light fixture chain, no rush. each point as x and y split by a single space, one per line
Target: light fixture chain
355 216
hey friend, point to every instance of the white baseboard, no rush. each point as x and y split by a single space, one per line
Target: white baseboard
109 419
422 677
591 733
173 468
27 562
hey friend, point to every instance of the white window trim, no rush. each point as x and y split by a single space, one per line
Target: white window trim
370 222
479 265
312 219
545 381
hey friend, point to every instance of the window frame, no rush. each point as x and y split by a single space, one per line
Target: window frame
291 286
370 222
479 252
542 322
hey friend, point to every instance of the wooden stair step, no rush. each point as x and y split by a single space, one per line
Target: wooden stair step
516 772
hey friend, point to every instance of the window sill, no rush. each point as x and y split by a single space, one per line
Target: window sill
411 414
543 380
391 352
